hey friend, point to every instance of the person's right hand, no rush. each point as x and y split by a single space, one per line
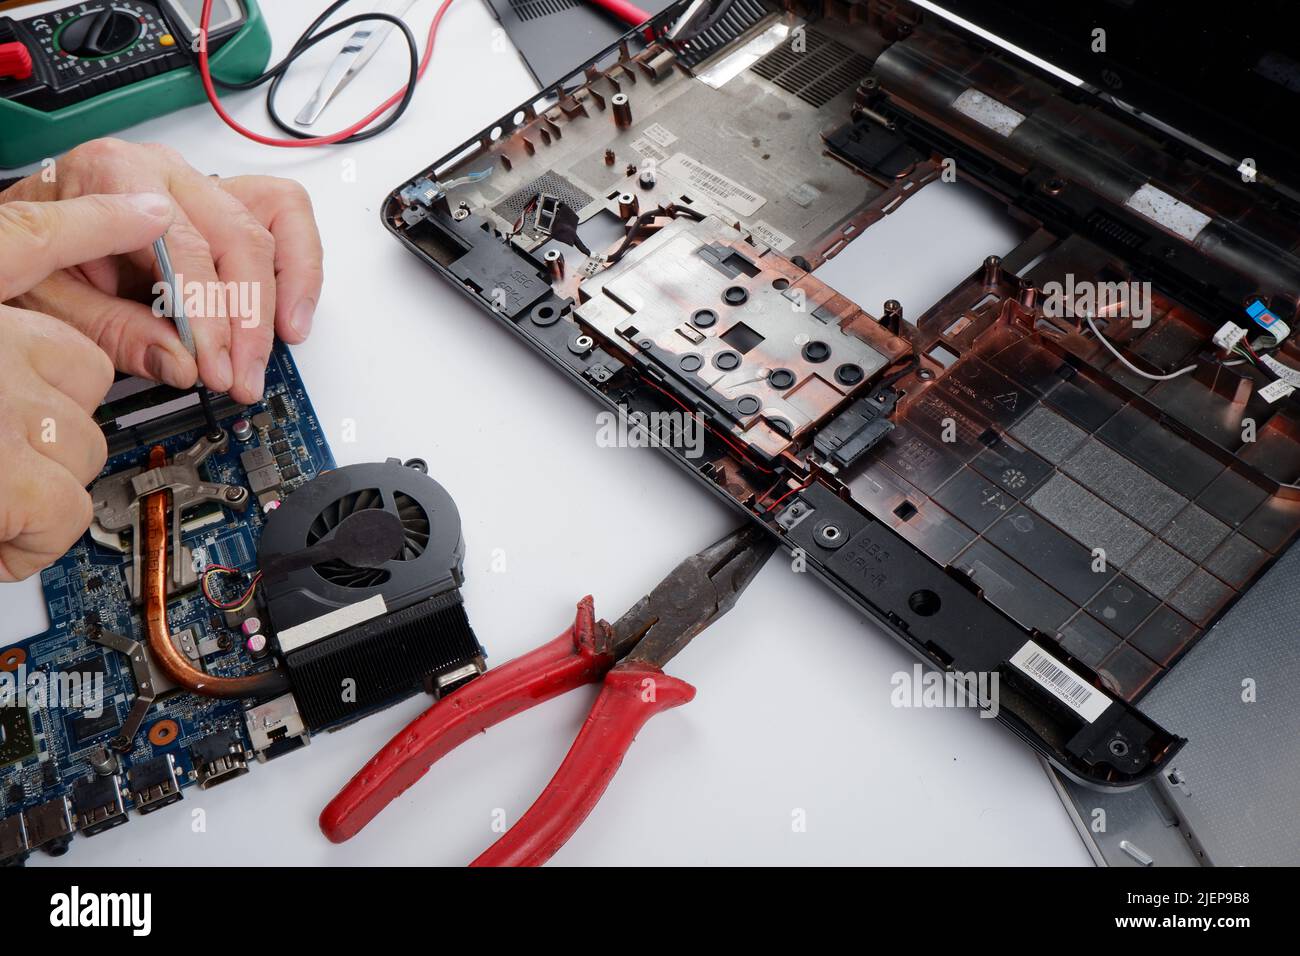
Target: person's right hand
51 376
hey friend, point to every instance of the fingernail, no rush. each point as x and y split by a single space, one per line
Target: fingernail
151 204
225 374
153 362
162 366
255 382
300 321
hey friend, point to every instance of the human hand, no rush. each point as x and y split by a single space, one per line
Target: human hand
243 249
51 376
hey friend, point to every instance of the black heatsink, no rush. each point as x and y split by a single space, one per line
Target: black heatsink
384 661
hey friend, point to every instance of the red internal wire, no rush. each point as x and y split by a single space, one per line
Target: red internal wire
240 601
738 449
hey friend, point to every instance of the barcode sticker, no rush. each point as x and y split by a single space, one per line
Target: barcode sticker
1284 372
1068 687
726 191
648 150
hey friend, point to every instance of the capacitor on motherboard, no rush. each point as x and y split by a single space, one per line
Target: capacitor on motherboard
257 646
242 429
103 761
250 626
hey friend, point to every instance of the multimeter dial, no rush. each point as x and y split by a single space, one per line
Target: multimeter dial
103 32
94 40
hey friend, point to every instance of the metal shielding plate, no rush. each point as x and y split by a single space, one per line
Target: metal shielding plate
771 352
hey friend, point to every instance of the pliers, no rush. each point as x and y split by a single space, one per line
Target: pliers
627 655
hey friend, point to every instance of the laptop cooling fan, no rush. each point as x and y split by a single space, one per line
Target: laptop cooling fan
361 575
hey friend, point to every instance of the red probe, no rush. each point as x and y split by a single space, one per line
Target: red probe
629 13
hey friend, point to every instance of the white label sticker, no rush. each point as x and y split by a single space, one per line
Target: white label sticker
658 135
769 236
1274 391
726 191
331 622
1068 687
1164 210
988 112
654 141
1284 372
649 150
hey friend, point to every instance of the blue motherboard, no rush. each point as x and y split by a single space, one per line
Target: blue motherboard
59 772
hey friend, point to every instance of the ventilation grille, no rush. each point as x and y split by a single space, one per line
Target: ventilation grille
386 660
742 15
536 9
1108 228
823 70
513 206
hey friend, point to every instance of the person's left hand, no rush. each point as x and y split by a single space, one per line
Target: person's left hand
246 251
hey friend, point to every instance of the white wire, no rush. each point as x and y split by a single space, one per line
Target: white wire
1129 365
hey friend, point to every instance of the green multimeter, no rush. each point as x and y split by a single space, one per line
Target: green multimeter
102 65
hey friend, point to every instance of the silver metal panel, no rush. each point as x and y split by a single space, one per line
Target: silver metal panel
1230 798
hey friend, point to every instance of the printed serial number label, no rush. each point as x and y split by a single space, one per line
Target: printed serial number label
1285 373
1077 694
653 142
1274 391
769 235
726 191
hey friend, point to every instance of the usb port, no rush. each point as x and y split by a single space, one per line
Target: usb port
153 784
97 804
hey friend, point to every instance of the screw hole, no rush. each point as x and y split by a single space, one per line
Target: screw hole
924 602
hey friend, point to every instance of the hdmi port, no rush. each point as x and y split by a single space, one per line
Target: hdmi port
221 770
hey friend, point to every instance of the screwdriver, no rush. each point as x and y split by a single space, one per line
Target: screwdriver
177 297
182 322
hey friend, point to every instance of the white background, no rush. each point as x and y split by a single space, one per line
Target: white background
793 717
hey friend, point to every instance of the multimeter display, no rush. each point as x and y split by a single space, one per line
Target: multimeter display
225 13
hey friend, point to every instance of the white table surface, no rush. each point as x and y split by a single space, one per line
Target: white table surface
790 754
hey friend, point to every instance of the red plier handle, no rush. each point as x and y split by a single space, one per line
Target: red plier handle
632 694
